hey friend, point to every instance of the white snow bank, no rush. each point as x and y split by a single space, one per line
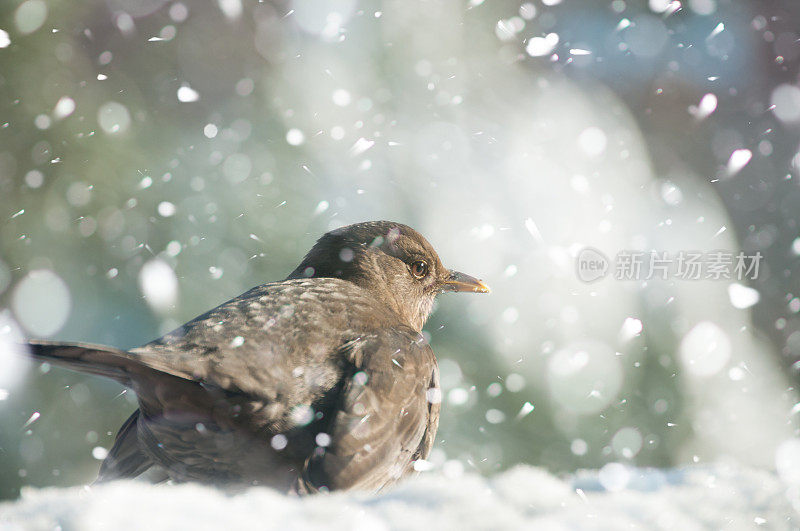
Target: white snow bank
714 497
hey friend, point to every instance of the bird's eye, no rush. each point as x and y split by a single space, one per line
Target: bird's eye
419 269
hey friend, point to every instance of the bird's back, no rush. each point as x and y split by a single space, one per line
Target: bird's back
277 339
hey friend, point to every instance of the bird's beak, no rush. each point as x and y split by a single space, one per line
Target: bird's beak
461 282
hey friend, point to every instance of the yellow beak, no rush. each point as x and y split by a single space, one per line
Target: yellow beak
460 282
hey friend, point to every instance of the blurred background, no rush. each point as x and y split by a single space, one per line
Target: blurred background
160 157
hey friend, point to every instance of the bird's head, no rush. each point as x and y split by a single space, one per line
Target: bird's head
390 260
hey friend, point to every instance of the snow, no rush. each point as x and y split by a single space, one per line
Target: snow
341 97
166 209
705 350
786 103
187 94
742 296
34 179
232 9
527 11
707 105
295 137
738 160
99 453
113 118
210 130
526 409
631 328
719 28
539 46
64 107
623 23
787 460
627 442
718 496
159 284
42 302
592 141
360 146
30 16
178 12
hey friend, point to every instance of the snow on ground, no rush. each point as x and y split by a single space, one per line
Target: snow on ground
722 496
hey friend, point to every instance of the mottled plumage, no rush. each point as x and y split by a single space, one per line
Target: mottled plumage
322 381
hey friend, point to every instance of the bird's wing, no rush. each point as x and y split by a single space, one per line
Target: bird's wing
275 340
127 457
381 421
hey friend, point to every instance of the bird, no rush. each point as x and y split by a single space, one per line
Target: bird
320 382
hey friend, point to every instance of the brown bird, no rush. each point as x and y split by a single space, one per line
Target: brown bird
321 381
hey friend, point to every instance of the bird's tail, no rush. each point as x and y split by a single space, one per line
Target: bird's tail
99 360
127 458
